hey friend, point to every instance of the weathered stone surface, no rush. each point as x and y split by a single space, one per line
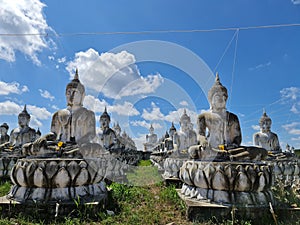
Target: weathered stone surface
56 179
227 182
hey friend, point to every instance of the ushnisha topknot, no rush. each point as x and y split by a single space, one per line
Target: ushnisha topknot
264 118
75 83
217 87
24 113
105 115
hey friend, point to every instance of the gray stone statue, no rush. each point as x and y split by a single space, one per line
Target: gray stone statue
22 134
265 138
219 132
75 123
72 125
186 136
4 137
108 136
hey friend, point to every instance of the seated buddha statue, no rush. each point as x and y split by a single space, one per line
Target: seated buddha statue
22 134
4 137
107 136
74 125
219 133
265 138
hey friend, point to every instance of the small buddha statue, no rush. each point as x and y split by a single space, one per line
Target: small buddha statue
22 134
4 137
265 138
219 132
151 137
186 136
108 135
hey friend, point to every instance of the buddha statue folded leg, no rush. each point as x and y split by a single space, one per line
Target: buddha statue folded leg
247 153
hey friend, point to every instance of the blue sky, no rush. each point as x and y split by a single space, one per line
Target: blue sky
147 61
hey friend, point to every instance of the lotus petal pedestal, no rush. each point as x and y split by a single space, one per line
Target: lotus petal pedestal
46 180
228 183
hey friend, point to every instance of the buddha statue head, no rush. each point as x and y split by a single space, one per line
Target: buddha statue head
75 92
265 122
104 119
23 118
172 130
217 95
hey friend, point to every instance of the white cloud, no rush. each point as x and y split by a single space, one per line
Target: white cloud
46 94
296 2
62 60
125 109
255 127
39 113
143 123
153 114
292 128
114 74
22 17
291 95
10 108
96 105
12 88
260 66
184 103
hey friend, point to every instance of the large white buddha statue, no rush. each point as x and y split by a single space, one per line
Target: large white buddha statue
219 132
265 138
73 125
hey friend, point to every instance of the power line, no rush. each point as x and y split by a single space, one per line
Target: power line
153 31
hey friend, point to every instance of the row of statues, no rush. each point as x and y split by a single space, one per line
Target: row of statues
218 130
75 125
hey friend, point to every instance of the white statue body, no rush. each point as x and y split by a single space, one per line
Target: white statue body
75 123
108 136
22 134
186 136
151 137
265 138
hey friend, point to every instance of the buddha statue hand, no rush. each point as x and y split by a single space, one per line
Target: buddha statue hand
203 141
195 151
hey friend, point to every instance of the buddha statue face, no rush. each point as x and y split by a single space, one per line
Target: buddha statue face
266 125
218 102
104 121
3 131
23 120
74 97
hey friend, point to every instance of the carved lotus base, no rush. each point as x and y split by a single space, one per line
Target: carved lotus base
228 182
56 180
172 167
287 172
236 198
6 164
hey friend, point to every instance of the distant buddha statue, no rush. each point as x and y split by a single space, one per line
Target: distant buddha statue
4 137
186 136
22 134
265 138
219 129
151 137
74 124
108 135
